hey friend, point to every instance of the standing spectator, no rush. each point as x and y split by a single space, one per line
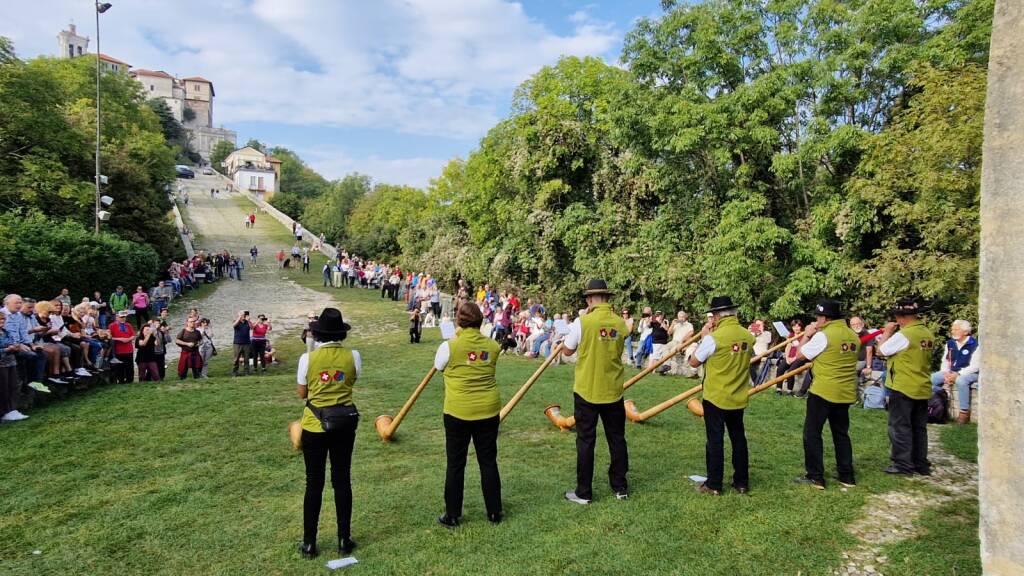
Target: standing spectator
161 338
959 367
252 219
791 361
161 297
145 356
242 342
305 261
909 354
245 220
65 298
644 328
9 385
118 301
123 336
189 340
659 337
415 326
866 353
206 348
253 253
259 342
298 233
327 275
140 302
102 309
280 258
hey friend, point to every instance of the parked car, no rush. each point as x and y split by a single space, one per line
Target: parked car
184 171
208 171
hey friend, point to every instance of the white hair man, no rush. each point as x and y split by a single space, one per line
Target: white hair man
959 367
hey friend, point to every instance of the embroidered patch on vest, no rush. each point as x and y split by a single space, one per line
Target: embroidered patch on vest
472 356
926 344
484 355
325 376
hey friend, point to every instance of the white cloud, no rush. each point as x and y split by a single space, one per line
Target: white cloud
334 164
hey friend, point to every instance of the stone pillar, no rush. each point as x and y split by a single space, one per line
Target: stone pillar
1001 302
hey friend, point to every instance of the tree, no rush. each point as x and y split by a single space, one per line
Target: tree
329 212
221 150
380 216
296 177
254 143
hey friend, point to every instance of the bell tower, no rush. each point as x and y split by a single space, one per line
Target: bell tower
70 44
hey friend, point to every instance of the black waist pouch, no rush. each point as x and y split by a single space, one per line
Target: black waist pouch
332 418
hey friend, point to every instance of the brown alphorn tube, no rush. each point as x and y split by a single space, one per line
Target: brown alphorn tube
554 413
664 358
698 409
386 425
526 385
636 416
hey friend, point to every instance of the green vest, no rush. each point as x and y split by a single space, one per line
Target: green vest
599 365
329 379
835 369
727 371
470 390
909 369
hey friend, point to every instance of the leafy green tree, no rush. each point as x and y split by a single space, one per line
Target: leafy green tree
329 212
221 150
296 177
379 217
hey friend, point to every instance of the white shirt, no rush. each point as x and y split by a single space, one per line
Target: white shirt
894 345
572 339
304 364
442 356
705 349
816 345
683 330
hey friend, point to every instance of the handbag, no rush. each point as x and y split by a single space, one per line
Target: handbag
337 417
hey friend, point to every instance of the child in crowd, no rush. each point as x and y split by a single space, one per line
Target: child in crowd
415 326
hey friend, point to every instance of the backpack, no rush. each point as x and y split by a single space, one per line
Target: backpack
874 398
938 407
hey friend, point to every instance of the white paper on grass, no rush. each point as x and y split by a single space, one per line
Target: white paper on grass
447 330
781 329
561 326
341 562
698 479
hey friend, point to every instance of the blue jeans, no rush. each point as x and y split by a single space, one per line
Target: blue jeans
158 306
629 348
539 342
964 383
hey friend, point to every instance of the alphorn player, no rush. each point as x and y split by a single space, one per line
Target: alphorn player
471 407
909 354
599 337
325 379
725 349
834 347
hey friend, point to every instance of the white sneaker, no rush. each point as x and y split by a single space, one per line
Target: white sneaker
572 497
115 362
83 372
39 387
13 416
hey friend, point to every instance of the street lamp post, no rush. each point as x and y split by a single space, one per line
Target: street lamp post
100 9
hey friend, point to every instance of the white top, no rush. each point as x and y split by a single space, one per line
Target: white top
442 356
894 345
816 345
705 349
572 339
683 330
304 364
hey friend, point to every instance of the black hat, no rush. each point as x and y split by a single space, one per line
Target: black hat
719 303
329 322
908 306
829 309
597 287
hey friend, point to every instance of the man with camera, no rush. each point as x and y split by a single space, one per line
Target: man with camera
242 342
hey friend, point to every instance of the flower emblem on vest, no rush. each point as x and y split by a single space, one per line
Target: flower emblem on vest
604 333
472 356
325 376
926 344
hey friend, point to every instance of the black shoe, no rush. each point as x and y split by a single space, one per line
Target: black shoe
819 484
705 489
346 545
847 483
923 471
897 471
308 550
740 488
494 517
447 521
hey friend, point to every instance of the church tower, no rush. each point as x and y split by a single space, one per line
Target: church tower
70 44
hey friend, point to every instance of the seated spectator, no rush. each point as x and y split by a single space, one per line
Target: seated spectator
959 367
10 387
44 332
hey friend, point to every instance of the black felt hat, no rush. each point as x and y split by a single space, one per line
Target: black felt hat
908 306
330 322
597 287
829 309
719 303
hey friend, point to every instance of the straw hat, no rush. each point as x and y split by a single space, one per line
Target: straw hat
295 434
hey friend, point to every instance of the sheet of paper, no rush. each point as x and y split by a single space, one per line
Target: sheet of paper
341 562
698 479
781 329
561 326
447 330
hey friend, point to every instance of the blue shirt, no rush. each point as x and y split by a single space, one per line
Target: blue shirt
17 327
242 332
6 358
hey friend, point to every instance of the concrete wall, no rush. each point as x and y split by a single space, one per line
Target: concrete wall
1001 302
179 223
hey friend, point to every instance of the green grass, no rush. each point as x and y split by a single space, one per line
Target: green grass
199 478
947 545
961 441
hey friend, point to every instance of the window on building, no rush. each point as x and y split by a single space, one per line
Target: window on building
79 50
252 182
71 51
260 183
150 87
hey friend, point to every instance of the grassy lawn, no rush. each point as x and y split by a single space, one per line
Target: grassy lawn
198 478
948 543
961 441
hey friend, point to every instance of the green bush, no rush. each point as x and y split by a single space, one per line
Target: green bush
40 255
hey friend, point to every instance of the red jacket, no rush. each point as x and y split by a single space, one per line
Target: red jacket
125 330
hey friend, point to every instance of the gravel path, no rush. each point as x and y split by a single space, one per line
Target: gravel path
218 225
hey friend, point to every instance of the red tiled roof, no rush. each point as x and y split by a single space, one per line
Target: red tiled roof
114 60
197 79
155 73
272 159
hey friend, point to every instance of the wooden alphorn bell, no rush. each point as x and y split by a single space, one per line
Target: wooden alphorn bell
386 425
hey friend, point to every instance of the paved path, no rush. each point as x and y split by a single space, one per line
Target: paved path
217 224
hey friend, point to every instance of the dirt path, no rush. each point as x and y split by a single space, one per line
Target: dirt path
218 225
890 517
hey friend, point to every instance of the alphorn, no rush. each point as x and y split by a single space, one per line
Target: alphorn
697 408
386 425
526 385
636 416
554 411
778 346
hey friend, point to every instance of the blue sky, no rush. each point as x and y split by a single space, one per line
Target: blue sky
393 88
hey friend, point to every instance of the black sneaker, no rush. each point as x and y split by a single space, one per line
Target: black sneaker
447 521
740 488
923 471
819 484
346 545
897 471
308 550
847 483
495 517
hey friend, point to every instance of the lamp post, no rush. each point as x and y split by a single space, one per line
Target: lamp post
100 9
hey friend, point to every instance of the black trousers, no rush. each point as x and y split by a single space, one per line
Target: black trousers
161 365
484 434
259 348
124 373
414 335
10 386
716 421
613 417
316 447
819 411
908 432
798 384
